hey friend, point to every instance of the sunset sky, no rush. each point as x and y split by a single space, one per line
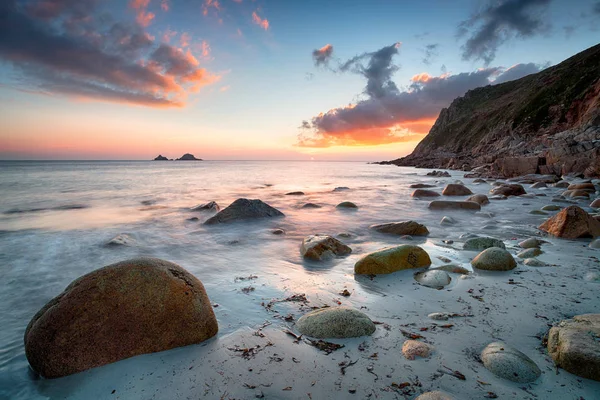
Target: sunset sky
260 79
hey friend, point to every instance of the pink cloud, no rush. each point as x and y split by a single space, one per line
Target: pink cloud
164 5
263 23
184 39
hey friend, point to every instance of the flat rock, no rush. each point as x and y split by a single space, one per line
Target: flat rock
347 204
494 259
454 189
480 199
587 186
530 243
539 185
311 205
335 322
435 395
392 259
421 186
412 349
574 345
455 269
529 253
122 239
482 243
572 223
210 206
424 193
551 207
534 262
508 190
244 209
509 363
295 194
138 306
402 228
454 205
433 278
576 193
341 188
439 174
323 247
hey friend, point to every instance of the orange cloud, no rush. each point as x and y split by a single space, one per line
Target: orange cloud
143 17
184 40
263 23
423 77
361 137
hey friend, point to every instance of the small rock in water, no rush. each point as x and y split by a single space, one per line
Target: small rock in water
295 194
530 253
551 207
122 239
490 227
509 363
424 193
311 205
323 247
534 262
494 259
413 348
392 259
439 316
482 243
480 199
439 174
454 189
421 186
210 206
467 236
508 190
244 209
539 185
345 235
402 228
530 243
595 244
435 395
595 203
341 188
193 219
347 204
454 205
538 212
335 322
436 279
406 237
278 232
561 184
447 221
498 197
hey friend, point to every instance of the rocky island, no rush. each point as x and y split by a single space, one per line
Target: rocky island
546 123
160 157
188 157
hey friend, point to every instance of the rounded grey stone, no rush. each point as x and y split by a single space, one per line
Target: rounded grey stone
494 259
335 322
433 278
509 363
482 243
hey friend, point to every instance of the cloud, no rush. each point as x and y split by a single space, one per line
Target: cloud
499 22
143 17
388 114
184 39
263 23
165 5
323 55
518 71
208 4
98 60
431 51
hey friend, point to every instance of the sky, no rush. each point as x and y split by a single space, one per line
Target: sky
260 79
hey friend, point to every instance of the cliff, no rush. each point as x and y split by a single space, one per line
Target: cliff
547 123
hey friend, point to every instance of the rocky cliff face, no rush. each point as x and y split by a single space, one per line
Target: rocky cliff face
547 122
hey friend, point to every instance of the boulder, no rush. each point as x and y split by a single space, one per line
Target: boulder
494 259
392 259
538 212
347 205
138 306
439 174
421 186
454 205
551 207
576 193
244 209
534 262
595 244
435 395
482 243
433 278
412 349
323 247
572 223
335 322
509 363
295 194
454 189
480 199
529 253
424 193
562 184
588 186
210 206
539 185
447 221
530 243
122 239
574 345
311 205
402 228
508 190
595 203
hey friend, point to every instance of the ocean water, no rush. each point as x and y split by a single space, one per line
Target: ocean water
56 217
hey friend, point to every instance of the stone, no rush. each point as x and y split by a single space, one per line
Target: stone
539 185
278 232
516 166
572 223
347 205
435 395
530 243
392 259
454 205
193 219
508 190
562 184
335 322
588 186
295 194
402 228
454 189
529 253
483 214
421 186
595 203
122 239
412 349
311 205
439 316
538 212
576 193
210 206
133 307
595 244
424 193
323 247
534 262
551 207
436 279
341 188
494 259
592 277
499 197
479 180
574 345
244 209
480 199
439 174
447 221
482 243
455 269
345 235
509 363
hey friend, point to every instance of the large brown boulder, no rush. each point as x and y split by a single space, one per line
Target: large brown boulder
588 186
574 345
133 307
508 190
480 199
392 259
323 247
572 223
454 189
244 209
402 228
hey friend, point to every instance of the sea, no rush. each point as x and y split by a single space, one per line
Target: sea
56 218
